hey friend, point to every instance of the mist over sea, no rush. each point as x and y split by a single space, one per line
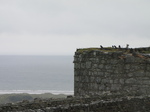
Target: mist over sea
36 74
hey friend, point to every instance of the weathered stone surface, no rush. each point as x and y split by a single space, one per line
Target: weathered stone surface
88 64
88 104
101 66
115 87
130 81
130 59
117 72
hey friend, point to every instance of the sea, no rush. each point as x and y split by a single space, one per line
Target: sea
36 74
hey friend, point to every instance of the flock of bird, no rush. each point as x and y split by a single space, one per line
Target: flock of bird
113 46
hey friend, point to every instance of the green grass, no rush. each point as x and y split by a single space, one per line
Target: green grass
110 49
146 52
106 49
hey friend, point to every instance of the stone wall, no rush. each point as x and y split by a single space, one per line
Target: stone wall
115 73
96 104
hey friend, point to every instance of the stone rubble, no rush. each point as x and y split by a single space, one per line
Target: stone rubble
91 104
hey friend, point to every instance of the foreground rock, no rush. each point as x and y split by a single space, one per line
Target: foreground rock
94 104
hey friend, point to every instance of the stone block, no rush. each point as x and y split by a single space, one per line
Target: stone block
130 80
139 73
115 87
82 65
113 61
95 66
98 80
94 53
116 71
103 61
129 59
110 71
86 79
96 60
92 79
147 74
143 91
108 67
107 74
135 67
127 66
77 79
102 87
85 72
101 66
116 81
142 67
91 59
95 73
148 67
135 87
88 64
145 78
147 82
121 81
148 91
111 81
77 65
139 60
138 81
130 74
104 81
100 74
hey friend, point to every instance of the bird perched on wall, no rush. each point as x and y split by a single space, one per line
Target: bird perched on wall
127 46
101 46
115 47
119 46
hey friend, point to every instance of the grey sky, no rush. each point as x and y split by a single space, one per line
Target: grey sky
58 27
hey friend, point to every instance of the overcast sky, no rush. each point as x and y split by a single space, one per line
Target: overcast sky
58 27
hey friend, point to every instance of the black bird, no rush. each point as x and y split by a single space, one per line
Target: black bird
127 46
119 46
101 46
115 47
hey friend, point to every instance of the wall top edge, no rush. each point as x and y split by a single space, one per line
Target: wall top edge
109 50
122 53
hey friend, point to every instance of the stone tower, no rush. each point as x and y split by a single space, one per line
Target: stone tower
111 71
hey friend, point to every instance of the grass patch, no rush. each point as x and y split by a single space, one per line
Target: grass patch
110 49
106 49
146 52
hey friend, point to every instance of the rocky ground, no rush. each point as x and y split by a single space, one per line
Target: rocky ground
14 98
90 104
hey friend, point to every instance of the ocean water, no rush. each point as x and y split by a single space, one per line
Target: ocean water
36 74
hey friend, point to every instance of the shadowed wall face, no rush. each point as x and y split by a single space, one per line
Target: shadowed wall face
112 73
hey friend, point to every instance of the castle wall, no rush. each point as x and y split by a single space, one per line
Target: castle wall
114 73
